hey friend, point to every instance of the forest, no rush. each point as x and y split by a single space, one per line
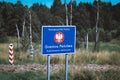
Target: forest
83 17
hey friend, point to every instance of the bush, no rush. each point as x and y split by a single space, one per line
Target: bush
3 39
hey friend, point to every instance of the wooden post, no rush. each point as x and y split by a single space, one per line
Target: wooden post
11 55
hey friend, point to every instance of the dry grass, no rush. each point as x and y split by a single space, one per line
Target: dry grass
80 57
4 51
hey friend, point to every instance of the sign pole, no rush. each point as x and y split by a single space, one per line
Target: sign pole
66 67
48 67
66 56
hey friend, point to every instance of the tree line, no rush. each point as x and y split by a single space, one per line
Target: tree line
83 16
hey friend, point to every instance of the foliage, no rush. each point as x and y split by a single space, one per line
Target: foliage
84 17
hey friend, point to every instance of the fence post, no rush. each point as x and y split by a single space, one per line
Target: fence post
11 55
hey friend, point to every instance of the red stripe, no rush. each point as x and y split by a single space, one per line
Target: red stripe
11 63
11 54
10 58
10 49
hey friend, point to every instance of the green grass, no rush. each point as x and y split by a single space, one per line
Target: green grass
83 57
25 59
79 75
88 75
22 76
106 46
110 47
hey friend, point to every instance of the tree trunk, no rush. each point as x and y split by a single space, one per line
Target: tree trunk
31 46
96 48
71 13
18 41
66 13
86 42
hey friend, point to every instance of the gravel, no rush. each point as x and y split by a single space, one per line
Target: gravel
56 67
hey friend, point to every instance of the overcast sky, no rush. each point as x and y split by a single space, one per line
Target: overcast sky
50 2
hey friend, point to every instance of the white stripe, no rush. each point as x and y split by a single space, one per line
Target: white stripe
11 61
11 56
11 51
11 47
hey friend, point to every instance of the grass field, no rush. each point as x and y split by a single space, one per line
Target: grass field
109 54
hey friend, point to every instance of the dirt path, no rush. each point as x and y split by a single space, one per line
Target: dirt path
55 68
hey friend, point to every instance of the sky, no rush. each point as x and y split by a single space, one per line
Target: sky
50 2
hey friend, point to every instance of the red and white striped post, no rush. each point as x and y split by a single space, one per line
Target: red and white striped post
11 55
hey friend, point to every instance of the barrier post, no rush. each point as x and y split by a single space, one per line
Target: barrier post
11 54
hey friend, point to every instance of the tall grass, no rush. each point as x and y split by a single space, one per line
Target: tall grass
80 57
83 57
109 54
4 53
88 75
79 75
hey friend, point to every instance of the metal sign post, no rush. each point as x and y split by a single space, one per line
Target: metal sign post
58 40
48 67
66 67
66 55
